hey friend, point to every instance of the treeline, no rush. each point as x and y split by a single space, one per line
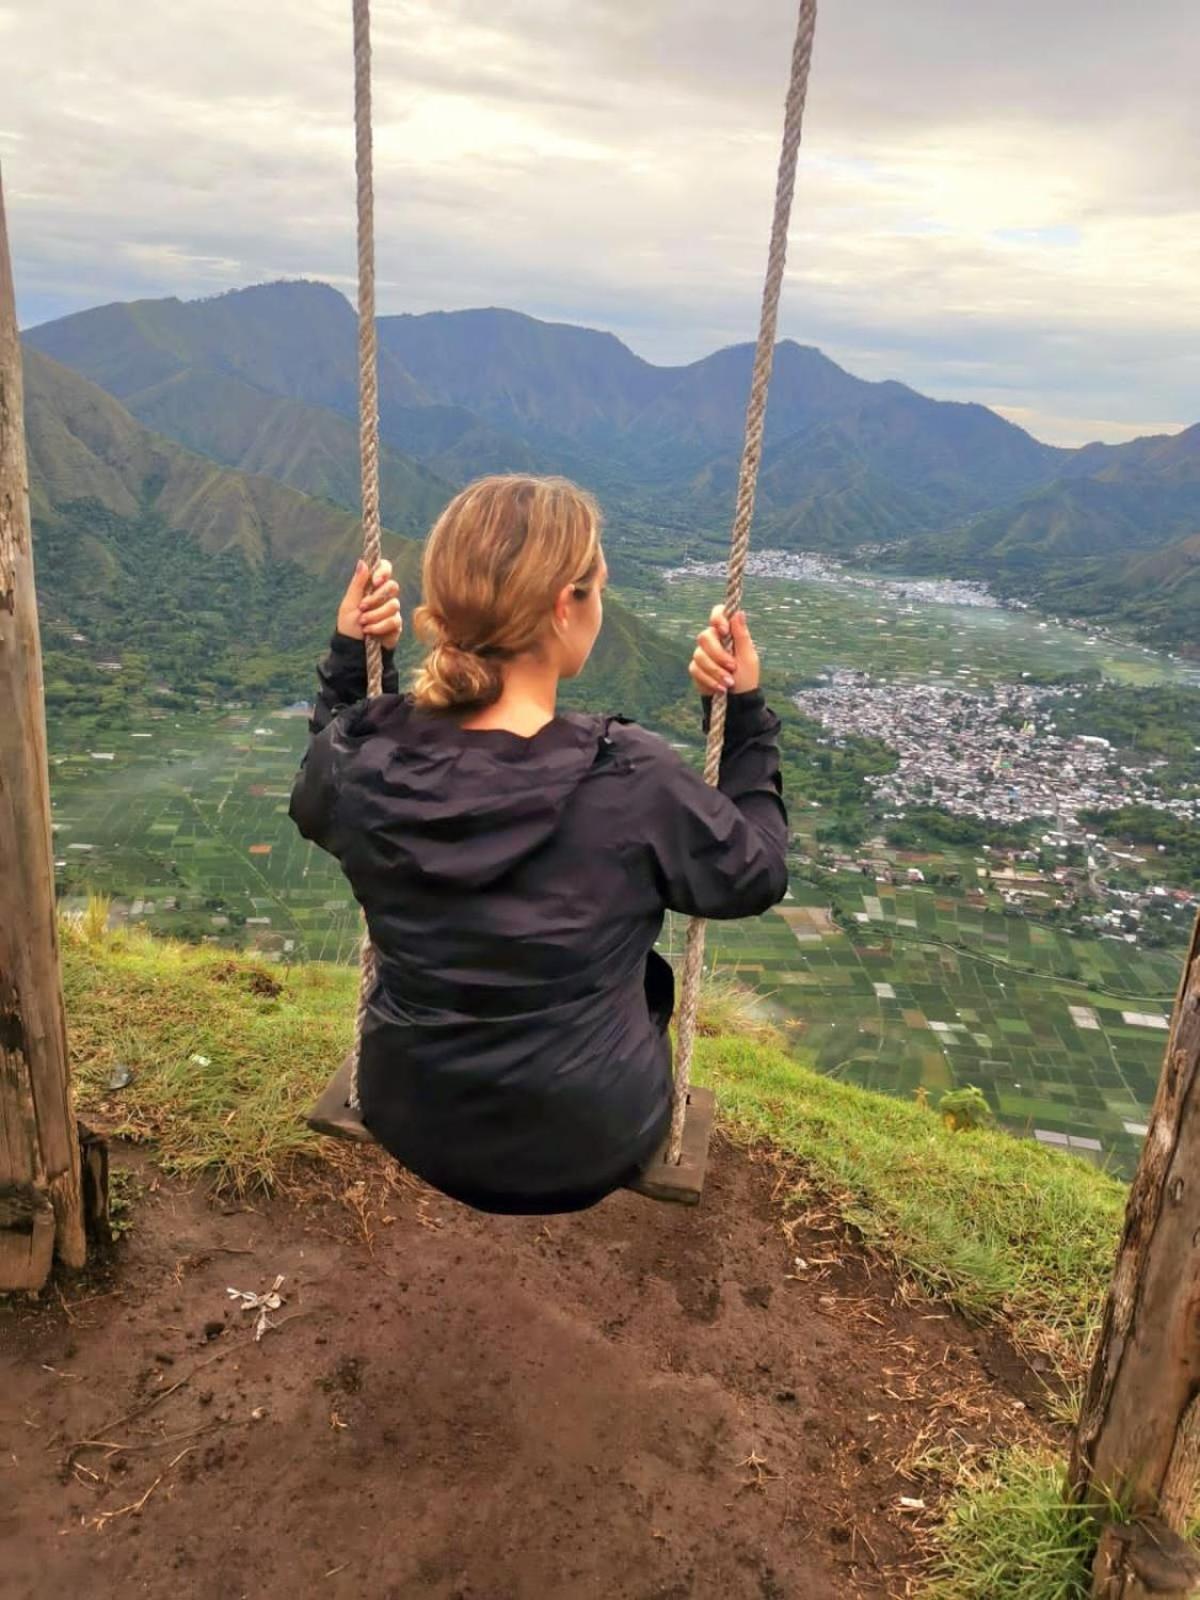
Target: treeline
1142 825
924 824
1162 721
1050 678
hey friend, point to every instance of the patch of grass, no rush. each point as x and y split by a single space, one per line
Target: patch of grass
224 1069
727 1008
996 1225
1009 1534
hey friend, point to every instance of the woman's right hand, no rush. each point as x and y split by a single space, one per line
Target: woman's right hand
725 660
371 605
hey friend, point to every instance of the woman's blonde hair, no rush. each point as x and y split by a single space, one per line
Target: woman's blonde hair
495 562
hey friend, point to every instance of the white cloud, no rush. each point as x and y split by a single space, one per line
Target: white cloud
995 203
1083 430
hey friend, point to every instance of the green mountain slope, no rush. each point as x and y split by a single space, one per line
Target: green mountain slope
212 581
1113 501
83 445
893 462
1156 593
309 448
205 581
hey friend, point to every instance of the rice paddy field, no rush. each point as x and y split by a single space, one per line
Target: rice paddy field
893 1007
806 628
183 820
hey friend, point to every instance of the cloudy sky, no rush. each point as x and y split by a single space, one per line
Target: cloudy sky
996 202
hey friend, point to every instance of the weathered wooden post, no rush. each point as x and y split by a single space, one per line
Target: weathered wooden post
40 1203
1138 1440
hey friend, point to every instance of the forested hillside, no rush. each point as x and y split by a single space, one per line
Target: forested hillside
201 581
1110 501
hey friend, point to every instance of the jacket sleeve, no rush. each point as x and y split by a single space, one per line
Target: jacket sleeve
722 852
342 678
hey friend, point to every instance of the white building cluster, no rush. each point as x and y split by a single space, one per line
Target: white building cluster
806 566
994 755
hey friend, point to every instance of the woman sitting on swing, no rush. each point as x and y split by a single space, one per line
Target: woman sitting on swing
514 862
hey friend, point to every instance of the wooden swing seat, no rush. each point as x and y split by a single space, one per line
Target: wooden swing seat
679 1182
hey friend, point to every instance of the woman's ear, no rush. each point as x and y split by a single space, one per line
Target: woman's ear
562 607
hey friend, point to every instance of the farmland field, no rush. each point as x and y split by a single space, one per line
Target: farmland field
184 821
806 628
892 1008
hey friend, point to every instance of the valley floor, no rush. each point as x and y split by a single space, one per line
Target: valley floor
638 1403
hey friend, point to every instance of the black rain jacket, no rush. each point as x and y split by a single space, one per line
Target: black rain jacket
516 1053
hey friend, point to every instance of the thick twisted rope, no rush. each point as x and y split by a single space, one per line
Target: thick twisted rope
764 356
368 414
747 479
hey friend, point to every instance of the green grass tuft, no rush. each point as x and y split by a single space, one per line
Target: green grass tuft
154 1006
1009 1534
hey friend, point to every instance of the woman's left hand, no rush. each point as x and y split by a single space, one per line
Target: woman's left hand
725 660
371 606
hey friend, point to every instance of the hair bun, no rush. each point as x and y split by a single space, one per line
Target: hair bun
455 678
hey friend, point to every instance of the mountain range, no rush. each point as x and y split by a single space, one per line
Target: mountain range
473 391
262 380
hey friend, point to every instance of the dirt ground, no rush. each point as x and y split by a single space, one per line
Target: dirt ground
638 1403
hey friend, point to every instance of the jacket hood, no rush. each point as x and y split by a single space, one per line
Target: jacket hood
454 805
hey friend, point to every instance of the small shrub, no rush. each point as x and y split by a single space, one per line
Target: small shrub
93 924
963 1110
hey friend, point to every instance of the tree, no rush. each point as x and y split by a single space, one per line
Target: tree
41 1207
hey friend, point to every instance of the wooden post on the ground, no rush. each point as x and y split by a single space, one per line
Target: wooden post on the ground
40 1201
1138 1440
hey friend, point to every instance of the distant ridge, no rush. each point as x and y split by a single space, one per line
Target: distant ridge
486 390
84 445
1109 502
